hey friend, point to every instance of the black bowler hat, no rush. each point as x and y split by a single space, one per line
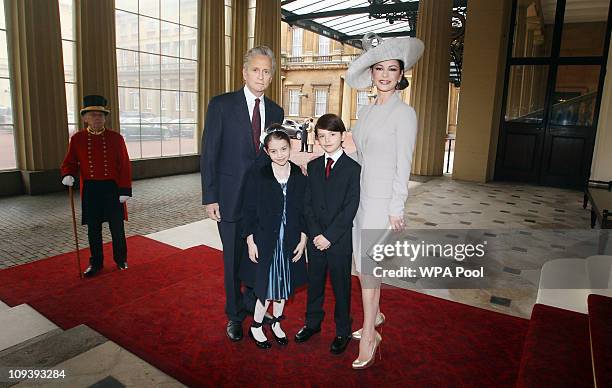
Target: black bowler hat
94 103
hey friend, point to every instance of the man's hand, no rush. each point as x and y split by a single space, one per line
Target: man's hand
321 242
68 180
253 252
212 209
123 198
299 250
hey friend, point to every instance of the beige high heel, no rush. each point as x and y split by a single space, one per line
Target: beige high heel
380 319
358 364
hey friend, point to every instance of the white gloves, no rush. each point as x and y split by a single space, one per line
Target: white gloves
123 198
68 180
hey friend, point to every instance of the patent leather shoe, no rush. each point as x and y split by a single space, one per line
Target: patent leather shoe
234 330
339 344
305 333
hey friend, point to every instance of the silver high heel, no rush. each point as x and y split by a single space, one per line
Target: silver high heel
358 364
380 319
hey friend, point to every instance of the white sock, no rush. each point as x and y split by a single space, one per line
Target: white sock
260 310
277 310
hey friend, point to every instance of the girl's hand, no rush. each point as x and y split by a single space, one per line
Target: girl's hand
253 253
299 250
396 223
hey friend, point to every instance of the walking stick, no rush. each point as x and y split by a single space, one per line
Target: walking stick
74 228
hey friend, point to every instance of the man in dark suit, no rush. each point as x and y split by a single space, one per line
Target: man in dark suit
231 144
331 202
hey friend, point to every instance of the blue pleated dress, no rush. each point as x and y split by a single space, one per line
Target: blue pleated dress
279 282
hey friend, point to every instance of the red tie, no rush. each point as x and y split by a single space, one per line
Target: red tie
256 124
330 161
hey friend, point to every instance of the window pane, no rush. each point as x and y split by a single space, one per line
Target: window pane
7 148
68 49
127 68
170 10
127 35
296 46
170 73
189 12
151 141
6 110
526 93
188 107
584 29
129 105
149 8
4 69
170 39
575 95
150 106
127 5
71 103
189 47
149 70
189 140
169 109
171 143
2 19
67 19
534 28
189 75
149 35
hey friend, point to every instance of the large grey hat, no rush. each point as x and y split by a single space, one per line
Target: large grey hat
407 50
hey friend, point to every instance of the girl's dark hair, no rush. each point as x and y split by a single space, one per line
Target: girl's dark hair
330 122
277 132
403 82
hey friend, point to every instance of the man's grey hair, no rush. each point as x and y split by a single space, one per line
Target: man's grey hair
259 50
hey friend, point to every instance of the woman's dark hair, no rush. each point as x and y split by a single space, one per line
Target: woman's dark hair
277 132
403 82
330 122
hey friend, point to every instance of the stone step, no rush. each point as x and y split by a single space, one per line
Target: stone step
3 306
50 349
107 364
20 324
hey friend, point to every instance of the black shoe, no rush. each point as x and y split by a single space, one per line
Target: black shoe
122 266
339 344
279 340
91 271
305 333
260 344
234 330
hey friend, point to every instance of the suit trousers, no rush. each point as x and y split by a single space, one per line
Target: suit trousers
237 304
117 229
339 266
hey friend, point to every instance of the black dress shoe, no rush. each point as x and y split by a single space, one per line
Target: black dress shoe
305 333
279 340
91 271
122 266
260 344
234 330
339 344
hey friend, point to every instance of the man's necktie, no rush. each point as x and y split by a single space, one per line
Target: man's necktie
330 161
256 124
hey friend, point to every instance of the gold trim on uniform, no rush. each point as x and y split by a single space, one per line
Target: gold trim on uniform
93 131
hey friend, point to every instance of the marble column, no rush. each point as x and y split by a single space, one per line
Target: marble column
430 85
211 54
96 54
267 33
482 86
239 41
37 83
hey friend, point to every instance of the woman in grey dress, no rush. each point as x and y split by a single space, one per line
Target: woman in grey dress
384 136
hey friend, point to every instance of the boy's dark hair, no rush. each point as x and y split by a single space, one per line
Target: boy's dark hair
330 122
276 131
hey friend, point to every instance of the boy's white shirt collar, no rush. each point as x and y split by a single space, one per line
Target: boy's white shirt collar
335 156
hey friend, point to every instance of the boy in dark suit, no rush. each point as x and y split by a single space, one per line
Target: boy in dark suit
331 202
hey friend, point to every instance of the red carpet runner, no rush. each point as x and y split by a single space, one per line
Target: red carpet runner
169 311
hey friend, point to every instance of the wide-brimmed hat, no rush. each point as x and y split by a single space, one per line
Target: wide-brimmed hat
94 103
407 50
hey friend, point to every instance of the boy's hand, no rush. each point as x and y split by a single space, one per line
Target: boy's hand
321 242
212 209
299 250
253 252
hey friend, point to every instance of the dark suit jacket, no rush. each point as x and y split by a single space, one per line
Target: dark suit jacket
228 151
263 211
330 204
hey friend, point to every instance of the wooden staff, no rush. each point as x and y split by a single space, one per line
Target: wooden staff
74 228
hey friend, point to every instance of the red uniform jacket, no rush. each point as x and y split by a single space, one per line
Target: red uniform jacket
99 157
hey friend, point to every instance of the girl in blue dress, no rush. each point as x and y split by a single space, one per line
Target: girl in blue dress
274 228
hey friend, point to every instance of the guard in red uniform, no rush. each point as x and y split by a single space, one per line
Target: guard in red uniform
100 156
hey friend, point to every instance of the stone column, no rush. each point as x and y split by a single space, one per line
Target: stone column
482 86
39 100
601 168
239 41
211 54
267 33
96 54
430 85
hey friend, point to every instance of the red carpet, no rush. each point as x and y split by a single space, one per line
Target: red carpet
600 322
169 312
24 283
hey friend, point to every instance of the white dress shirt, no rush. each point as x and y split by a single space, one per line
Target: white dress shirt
335 156
250 99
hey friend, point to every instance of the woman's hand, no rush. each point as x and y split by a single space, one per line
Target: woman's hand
299 250
396 223
253 253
